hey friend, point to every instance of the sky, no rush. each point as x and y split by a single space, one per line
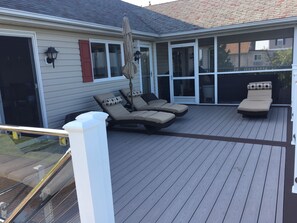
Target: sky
146 2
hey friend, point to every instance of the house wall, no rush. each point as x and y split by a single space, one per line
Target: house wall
64 91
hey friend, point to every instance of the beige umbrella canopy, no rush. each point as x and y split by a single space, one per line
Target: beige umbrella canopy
130 68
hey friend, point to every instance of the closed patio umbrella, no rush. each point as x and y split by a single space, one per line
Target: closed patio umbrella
130 68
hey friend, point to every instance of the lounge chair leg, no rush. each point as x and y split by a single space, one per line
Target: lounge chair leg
151 129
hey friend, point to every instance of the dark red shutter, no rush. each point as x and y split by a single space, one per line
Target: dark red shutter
85 58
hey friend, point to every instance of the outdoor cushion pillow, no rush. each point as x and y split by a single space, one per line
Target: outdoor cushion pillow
259 86
112 101
135 93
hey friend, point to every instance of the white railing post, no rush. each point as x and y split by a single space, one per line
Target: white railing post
294 111
88 144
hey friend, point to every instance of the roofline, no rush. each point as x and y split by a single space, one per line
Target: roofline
59 22
243 26
68 22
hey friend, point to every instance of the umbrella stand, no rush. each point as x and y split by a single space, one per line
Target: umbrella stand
131 90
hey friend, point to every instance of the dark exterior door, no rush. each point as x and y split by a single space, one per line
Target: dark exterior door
18 84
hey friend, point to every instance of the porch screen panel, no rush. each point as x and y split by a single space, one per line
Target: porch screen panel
162 58
256 51
184 87
206 86
164 89
232 88
163 71
183 61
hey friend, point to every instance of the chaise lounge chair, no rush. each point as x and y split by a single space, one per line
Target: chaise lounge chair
153 105
152 120
258 101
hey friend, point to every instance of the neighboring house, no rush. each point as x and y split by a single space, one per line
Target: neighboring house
174 38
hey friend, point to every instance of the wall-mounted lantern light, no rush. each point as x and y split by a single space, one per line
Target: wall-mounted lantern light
51 55
137 56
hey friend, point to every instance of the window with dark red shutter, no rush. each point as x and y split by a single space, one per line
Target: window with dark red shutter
85 58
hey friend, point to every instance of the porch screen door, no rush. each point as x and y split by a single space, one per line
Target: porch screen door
146 70
183 74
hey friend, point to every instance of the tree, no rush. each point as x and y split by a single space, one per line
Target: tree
224 62
282 58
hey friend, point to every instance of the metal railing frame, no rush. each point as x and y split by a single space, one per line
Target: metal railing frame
49 176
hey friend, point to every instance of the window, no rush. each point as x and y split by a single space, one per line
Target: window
107 59
280 42
257 57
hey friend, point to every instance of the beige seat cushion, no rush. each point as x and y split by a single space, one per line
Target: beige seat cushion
157 102
255 105
153 116
168 107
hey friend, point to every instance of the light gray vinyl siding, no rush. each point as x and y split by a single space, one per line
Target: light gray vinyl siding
64 91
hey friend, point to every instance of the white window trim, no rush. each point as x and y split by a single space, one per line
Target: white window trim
106 43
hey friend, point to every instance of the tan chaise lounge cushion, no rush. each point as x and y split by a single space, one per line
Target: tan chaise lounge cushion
255 106
259 99
156 105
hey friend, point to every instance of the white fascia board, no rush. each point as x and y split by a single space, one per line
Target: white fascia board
59 22
223 29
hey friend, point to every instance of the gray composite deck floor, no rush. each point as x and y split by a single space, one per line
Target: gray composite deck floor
225 121
160 178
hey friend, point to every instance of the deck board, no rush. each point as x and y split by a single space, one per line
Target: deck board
253 202
268 210
217 212
183 185
281 186
210 198
240 194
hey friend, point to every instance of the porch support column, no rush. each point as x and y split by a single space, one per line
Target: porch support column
216 69
293 86
294 111
88 144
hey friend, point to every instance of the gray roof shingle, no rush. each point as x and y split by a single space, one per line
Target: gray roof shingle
104 12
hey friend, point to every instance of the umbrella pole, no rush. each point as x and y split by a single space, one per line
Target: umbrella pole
131 90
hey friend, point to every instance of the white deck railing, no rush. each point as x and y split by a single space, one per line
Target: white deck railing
88 144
